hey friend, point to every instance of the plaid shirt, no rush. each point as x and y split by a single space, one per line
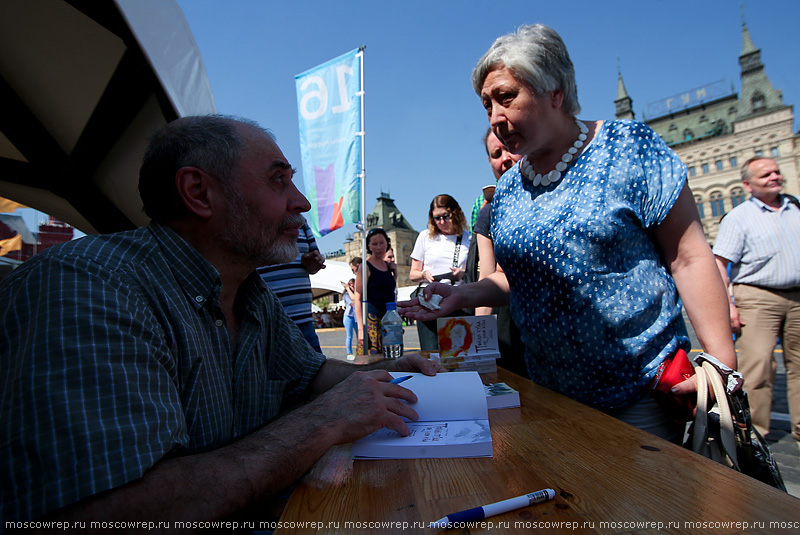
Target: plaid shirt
116 354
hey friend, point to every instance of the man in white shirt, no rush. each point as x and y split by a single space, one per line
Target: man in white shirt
760 239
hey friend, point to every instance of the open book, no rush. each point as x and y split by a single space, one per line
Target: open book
453 421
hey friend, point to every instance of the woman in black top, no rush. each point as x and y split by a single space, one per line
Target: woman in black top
381 283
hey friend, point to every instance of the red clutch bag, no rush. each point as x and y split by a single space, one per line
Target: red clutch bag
674 370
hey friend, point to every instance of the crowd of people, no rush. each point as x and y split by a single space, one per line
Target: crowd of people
543 253
328 319
174 370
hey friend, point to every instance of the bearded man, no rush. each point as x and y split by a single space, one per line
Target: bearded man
151 374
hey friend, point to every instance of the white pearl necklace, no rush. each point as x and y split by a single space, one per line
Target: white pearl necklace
555 175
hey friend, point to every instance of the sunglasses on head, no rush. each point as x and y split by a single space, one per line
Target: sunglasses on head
445 217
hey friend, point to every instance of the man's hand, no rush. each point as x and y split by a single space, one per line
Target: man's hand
363 403
736 320
414 362
313 261
450 302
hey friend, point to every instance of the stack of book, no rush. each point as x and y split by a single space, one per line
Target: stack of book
501 396
468 343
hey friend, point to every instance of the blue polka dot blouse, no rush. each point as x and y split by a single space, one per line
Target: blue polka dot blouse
596 307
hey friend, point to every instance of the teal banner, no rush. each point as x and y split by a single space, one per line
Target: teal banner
329 111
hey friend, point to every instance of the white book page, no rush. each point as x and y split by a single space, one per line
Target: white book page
429 440
447 396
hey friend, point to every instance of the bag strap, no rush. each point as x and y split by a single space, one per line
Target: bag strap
457 250
700 434
727 442
726 432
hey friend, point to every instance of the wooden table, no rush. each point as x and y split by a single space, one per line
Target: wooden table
609 477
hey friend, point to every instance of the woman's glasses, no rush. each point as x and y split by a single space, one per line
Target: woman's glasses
443 218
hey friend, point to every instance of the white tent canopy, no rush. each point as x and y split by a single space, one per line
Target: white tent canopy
82 84
404 292
329 280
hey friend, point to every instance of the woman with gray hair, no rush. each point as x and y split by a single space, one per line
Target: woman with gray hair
596 235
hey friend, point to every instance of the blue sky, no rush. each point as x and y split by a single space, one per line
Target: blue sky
423 121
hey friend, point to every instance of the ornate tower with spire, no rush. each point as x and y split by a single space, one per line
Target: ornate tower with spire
387 216
714 131
624 103
757 95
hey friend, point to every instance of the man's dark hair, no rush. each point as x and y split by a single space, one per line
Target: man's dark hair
211 143
486 141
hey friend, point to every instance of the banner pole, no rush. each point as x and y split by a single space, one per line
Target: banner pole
364 267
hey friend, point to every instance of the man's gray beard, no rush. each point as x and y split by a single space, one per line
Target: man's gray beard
281 253
252 245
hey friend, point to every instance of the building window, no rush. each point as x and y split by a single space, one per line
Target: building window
737 197
759 102
705 168
687 135
692 171
700 209
759 153
717 204
774 152
718 163
733 161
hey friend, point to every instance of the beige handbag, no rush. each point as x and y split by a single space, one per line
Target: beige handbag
719 447
724 433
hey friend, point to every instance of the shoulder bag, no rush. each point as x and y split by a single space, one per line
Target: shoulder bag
725 433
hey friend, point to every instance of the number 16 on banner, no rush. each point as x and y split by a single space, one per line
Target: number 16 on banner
329 112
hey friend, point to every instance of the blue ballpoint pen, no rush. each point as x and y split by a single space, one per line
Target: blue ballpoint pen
479 513
401 379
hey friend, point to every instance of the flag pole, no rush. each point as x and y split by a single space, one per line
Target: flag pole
363 176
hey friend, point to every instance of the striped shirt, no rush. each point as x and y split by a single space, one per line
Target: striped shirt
291 282
763 244
116 354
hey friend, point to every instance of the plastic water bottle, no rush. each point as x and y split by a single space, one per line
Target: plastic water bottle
392 333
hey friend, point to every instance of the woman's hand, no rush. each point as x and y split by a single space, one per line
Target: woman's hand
392 268
458 274
428 276
414 310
